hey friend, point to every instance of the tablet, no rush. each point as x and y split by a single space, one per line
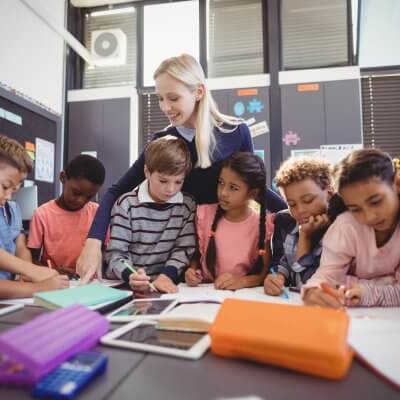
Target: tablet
142 309
143 335
6 308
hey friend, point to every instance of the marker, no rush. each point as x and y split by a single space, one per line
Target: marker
285 290
133 270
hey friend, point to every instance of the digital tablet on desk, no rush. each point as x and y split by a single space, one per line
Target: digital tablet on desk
142 309
6 308
143 335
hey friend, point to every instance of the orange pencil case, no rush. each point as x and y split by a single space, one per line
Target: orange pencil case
312 340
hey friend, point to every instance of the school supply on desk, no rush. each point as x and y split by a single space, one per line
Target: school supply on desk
32 350
376 342
143 336
306 339
190 317
93 294
6 308
67 380
142 309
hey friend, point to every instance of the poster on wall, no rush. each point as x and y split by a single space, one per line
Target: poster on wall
44 165
335 152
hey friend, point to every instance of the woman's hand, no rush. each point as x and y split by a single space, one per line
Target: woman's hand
193 277
274 284
89 261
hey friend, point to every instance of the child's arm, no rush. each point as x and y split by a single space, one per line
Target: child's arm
193 275
184 248
118 246
18 289
369 294
21 250
36 236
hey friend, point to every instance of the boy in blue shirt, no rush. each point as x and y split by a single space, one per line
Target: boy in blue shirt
14 258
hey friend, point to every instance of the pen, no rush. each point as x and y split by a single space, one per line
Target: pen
49 264
133 270
348 287
285 290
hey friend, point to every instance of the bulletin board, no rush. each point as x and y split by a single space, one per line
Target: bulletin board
39 132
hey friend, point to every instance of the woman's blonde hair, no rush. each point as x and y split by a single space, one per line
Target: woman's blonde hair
187 70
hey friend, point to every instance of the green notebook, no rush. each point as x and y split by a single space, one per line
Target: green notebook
89 295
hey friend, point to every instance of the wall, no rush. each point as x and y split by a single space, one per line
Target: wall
32 55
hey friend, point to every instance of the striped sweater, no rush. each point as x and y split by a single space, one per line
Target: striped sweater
158 237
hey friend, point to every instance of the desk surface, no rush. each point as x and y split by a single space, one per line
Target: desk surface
141 376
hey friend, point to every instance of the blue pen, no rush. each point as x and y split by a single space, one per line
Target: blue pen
285 291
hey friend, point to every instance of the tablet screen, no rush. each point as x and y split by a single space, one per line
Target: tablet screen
148 334
149 307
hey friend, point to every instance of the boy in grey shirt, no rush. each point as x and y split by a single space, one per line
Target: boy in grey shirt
152 227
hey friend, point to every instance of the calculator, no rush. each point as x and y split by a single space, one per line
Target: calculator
67 380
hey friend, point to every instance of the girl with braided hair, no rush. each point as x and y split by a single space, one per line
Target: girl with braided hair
234 238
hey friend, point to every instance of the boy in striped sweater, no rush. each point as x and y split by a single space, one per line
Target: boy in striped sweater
152 227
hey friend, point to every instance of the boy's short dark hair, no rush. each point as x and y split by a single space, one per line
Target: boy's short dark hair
297 169
169 155
13 153
86 167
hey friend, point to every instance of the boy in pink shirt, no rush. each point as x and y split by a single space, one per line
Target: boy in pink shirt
361 252
59 227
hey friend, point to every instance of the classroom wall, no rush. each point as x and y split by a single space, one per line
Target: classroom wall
32 55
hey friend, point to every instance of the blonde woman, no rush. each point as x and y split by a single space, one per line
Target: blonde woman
211 137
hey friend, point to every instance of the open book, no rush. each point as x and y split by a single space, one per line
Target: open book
191 317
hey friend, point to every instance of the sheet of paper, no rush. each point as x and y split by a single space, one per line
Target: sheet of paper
376 313
104 282
257 294
376 341
203 311
44 165
202 292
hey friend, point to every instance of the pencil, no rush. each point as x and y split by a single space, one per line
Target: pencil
133 270
348 287
49 264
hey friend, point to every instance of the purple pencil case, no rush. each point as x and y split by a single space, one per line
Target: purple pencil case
32 350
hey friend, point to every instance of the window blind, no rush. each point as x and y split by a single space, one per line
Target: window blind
152 118
235 38
381 112
314 33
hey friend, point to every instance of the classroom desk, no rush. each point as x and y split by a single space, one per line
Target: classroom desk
139 376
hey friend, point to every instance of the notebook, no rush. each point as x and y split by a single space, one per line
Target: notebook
376 342
89 295
195 317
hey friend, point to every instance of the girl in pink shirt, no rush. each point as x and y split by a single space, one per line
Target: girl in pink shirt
361 252
233 238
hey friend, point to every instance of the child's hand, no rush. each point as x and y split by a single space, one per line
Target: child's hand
165 284
274 284
229 282
55 282
193 276
318 297
314 224
353 296
37 274
139 282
